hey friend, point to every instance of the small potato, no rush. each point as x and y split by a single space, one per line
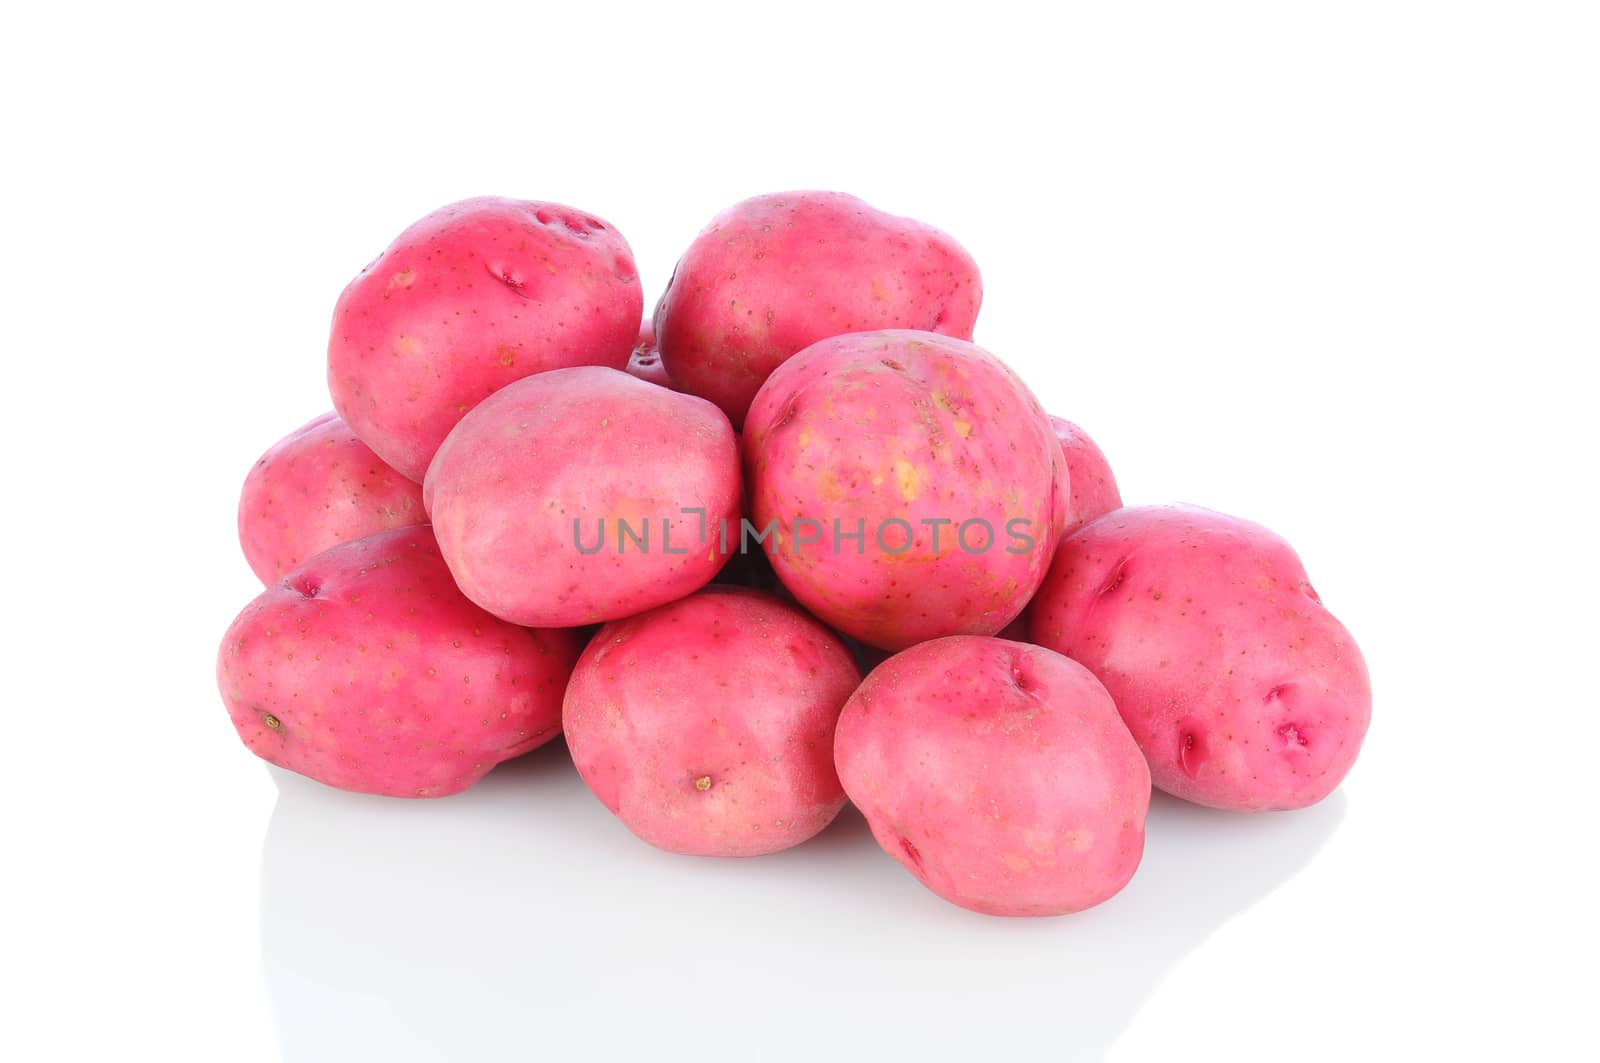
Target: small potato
1242 690
583 495
317 487
774 274
706 725
645 362
998 773
472 297
1092 490
908 484
366 669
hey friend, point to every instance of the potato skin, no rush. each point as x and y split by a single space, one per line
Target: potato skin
998 773
1092 488
472 297
316 487
877 427
565 450
1242 690
776 273
367 670
645 361
706 725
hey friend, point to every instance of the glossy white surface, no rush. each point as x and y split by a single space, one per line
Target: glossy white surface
1333 272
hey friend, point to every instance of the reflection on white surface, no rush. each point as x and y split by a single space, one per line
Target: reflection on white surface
521 920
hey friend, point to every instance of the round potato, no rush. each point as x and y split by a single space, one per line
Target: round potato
776 273
366 669
1242 690
583 495
317 487
907 485
706 725
1092 490
472 297
998 773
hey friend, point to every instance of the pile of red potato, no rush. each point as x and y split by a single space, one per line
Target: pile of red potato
680 544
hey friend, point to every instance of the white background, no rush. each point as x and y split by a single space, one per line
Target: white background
1330 267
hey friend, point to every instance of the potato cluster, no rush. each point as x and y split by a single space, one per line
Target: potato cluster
680 542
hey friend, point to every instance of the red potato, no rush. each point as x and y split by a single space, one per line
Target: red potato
706 725
998 773
776 273
583 495
930 448
645 362
317 487
472 297
1242 690
1092 490
367 670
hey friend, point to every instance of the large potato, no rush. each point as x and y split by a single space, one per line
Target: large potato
583 495
367 670
998 773
933 451
706 725
1242 690
316 487
774 274
470 298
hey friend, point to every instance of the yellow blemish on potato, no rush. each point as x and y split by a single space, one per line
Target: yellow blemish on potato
703 783
964 428
829 486
404 279
805 439
1017 862
908 478
406 345
942 400
1039 842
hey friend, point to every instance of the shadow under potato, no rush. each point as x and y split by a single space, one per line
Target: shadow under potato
521 916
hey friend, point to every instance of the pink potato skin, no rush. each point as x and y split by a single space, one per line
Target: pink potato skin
775 274
898 425
366 669
1092 489
1242 690
569 449
998 773
317 487
706 725
472 297
645 361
